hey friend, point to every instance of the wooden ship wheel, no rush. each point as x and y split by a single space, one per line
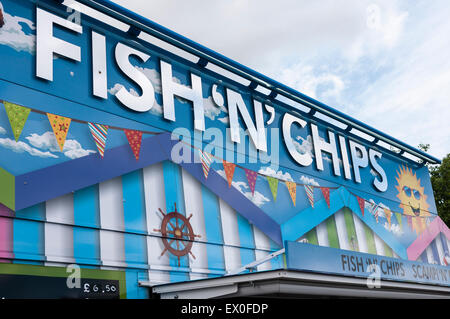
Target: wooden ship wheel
177 234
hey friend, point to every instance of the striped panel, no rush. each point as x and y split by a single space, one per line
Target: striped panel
429 253
322 234
440 249
6 234
435 252
173 184
135 241
370 241
112 244
342 230
230 237
262 244
193 202
59 230
155 199
311 236
444 243
360 234
214 235
333 239
86 236
352 237
246 240
379 244
29 235
388 251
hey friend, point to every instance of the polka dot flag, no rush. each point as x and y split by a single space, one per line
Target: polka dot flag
135 140
17 116
251 177
292 188
229 171
60 126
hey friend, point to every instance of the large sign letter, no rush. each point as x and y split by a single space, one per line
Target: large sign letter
47 44
303 159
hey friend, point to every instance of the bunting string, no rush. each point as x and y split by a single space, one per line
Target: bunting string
18 114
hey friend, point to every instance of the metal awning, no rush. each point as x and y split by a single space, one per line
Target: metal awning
293 284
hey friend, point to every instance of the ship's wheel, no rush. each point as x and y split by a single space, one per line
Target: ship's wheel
177 234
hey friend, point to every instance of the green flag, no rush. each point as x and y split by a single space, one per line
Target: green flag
273 183
17 117
399 219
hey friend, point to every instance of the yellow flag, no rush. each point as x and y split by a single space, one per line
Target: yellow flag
60 126
292 187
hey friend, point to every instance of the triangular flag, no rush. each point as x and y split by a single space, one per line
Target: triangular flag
399 219
326 194
374 210
388 214
251 177
362 204
60 126
229 171
310 193
273 184
206 159
292 188
135 140
99 133
17 116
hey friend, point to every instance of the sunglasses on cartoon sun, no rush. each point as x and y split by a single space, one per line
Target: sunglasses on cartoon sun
410 191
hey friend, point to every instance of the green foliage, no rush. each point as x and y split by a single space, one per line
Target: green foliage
440 181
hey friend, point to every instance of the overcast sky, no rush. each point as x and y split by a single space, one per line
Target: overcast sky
386 63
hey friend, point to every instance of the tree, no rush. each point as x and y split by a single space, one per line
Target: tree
440 181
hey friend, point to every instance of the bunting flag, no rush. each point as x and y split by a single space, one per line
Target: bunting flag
326 194
17 116
206 162
292 188
310 193
388 213
362 204
409 221
60 126
251 177
99 133
135 141
374 210
399 219
273 184
229 171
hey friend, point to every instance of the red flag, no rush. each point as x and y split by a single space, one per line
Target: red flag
251 177
135 140
229 171
361 202
326 194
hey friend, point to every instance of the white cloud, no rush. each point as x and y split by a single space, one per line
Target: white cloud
2 130
47 141
22 147
257 198
277 174
13 35
308 181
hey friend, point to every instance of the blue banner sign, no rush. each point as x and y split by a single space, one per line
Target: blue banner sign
302 256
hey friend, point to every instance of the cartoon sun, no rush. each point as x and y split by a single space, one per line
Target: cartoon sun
413 199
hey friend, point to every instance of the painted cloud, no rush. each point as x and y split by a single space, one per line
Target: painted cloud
47 141
258 199
13 35
22 147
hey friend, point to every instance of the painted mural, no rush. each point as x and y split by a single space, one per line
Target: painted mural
86 180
